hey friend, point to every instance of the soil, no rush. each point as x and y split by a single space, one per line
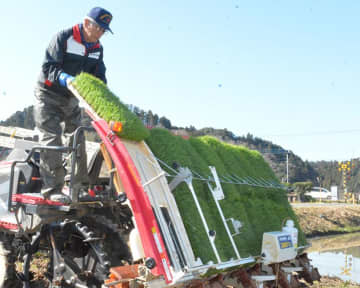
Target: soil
329 282
320 220
38 269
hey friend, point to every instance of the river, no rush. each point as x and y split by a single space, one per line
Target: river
337 256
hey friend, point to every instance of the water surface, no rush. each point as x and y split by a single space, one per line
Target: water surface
337 256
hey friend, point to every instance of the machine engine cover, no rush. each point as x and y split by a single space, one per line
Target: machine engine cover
277 247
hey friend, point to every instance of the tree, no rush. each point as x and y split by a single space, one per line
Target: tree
190 129
165 122
150 119
156 120
301 188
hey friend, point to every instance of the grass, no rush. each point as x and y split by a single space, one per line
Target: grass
259 209
108 106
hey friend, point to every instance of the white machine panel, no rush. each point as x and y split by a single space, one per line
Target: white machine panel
277 247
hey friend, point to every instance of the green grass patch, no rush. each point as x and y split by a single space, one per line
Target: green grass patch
348 229
109 107
259 209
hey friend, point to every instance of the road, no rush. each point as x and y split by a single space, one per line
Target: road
317 204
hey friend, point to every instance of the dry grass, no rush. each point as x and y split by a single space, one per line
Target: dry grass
330 282
322 220
38 268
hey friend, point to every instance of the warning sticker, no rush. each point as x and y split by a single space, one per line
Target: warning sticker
285 241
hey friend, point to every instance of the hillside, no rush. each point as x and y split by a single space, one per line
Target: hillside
275 155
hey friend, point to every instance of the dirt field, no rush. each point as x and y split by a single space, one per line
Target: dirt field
330 282
326 220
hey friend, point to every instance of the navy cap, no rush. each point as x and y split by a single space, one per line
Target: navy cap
101 17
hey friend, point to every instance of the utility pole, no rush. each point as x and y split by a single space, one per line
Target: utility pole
287 166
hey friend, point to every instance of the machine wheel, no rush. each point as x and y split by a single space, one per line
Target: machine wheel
81 250
113 243
76 256
7 263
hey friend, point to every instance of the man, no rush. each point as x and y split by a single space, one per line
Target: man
70 52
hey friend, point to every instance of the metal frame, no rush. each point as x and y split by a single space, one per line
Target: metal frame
187 176
142 210
191 270
59 149
218 187
211 238
228 179
74 196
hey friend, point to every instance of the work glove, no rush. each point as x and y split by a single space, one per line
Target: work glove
65 79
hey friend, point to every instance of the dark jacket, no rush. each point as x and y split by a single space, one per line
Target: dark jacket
67 53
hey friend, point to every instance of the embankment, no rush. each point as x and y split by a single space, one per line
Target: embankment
317 220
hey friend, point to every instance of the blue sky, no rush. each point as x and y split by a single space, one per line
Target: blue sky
285 71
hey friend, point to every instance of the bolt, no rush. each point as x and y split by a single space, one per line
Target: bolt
73 279
107 264
150 263
212 233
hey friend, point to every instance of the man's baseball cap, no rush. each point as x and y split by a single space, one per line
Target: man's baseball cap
101 17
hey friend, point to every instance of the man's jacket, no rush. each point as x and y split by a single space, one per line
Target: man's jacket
67 53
